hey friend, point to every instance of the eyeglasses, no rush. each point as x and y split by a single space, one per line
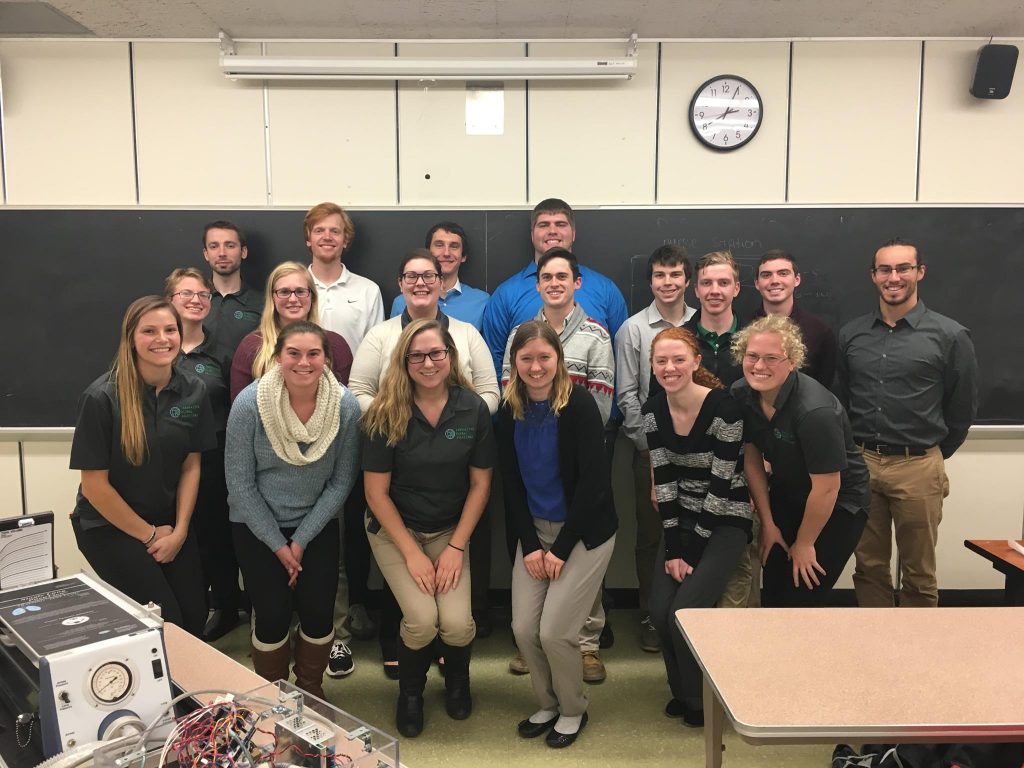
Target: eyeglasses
286 293
900 269
189 295
418 358
428 278
769 360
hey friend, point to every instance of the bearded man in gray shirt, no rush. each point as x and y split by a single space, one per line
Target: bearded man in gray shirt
908 378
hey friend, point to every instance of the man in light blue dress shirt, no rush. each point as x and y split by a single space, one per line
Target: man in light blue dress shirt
447 241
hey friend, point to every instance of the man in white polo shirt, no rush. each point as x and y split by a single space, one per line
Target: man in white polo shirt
349 305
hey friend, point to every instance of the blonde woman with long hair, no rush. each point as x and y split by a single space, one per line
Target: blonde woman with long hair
290 297
427 462
140 431
558 496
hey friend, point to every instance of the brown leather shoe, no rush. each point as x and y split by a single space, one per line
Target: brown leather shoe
593 667
518 666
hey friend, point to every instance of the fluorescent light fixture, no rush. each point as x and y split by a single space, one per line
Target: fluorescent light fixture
322 68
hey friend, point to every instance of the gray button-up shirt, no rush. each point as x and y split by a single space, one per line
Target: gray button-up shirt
912 384
633 367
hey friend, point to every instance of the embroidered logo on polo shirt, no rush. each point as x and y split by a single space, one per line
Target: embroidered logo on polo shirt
460 433
208 369
785 437
187 411
239 314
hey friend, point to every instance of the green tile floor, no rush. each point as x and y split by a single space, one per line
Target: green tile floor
627 727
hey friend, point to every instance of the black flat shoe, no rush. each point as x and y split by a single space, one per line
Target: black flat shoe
674 709
531 730
220 623
693 718
557 740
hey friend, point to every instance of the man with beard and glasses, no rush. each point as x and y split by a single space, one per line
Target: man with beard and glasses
908 378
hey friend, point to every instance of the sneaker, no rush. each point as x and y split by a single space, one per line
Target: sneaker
360 623
593 667
649 639
518 665
340 662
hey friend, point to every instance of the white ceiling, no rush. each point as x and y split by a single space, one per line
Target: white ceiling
513 19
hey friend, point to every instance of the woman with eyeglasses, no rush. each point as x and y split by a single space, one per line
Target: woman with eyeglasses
427 463
695 434
291 296
191 292
419 280
140 431
292 456
813 507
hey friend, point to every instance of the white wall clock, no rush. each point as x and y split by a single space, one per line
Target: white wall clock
726 112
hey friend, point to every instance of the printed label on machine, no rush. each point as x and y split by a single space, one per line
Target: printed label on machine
64 614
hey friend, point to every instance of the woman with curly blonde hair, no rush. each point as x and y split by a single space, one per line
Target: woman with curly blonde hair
813 508
428 454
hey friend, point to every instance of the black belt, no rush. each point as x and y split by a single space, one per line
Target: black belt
893 450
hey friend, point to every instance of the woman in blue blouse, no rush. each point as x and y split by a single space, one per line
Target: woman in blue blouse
558 494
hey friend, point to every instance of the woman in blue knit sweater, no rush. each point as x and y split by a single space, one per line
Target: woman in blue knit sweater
292 455
695 433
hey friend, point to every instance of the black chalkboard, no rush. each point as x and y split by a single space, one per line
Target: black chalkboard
71 273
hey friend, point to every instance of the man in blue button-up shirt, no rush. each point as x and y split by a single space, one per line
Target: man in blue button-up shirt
515 301
447 241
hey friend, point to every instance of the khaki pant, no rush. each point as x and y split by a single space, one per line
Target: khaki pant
547 615
744 588
424 617
906 496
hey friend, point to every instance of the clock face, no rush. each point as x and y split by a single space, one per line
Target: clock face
726 112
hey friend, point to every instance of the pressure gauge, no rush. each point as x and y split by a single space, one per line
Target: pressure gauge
111 682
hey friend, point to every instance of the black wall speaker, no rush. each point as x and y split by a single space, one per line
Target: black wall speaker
994 74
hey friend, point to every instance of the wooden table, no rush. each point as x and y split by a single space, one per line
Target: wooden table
859 675
1007 561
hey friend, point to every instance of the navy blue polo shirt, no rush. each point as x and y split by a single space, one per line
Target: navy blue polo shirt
178 421
233 317
430 466
212 365
809 434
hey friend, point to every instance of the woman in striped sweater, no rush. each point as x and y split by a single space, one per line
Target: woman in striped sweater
695 434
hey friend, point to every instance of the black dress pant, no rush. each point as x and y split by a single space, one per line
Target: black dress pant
357 547
213 532
123 562
833 550
266 582
701 589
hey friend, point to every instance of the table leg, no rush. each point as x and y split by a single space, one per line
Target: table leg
714 721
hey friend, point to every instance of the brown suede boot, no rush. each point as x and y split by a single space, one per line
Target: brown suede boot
270 660
311 657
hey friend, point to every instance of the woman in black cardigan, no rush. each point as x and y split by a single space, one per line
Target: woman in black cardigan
559 498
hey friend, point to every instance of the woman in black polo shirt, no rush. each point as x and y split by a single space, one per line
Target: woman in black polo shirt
558 493
191 293
427 461
813 508
141 429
